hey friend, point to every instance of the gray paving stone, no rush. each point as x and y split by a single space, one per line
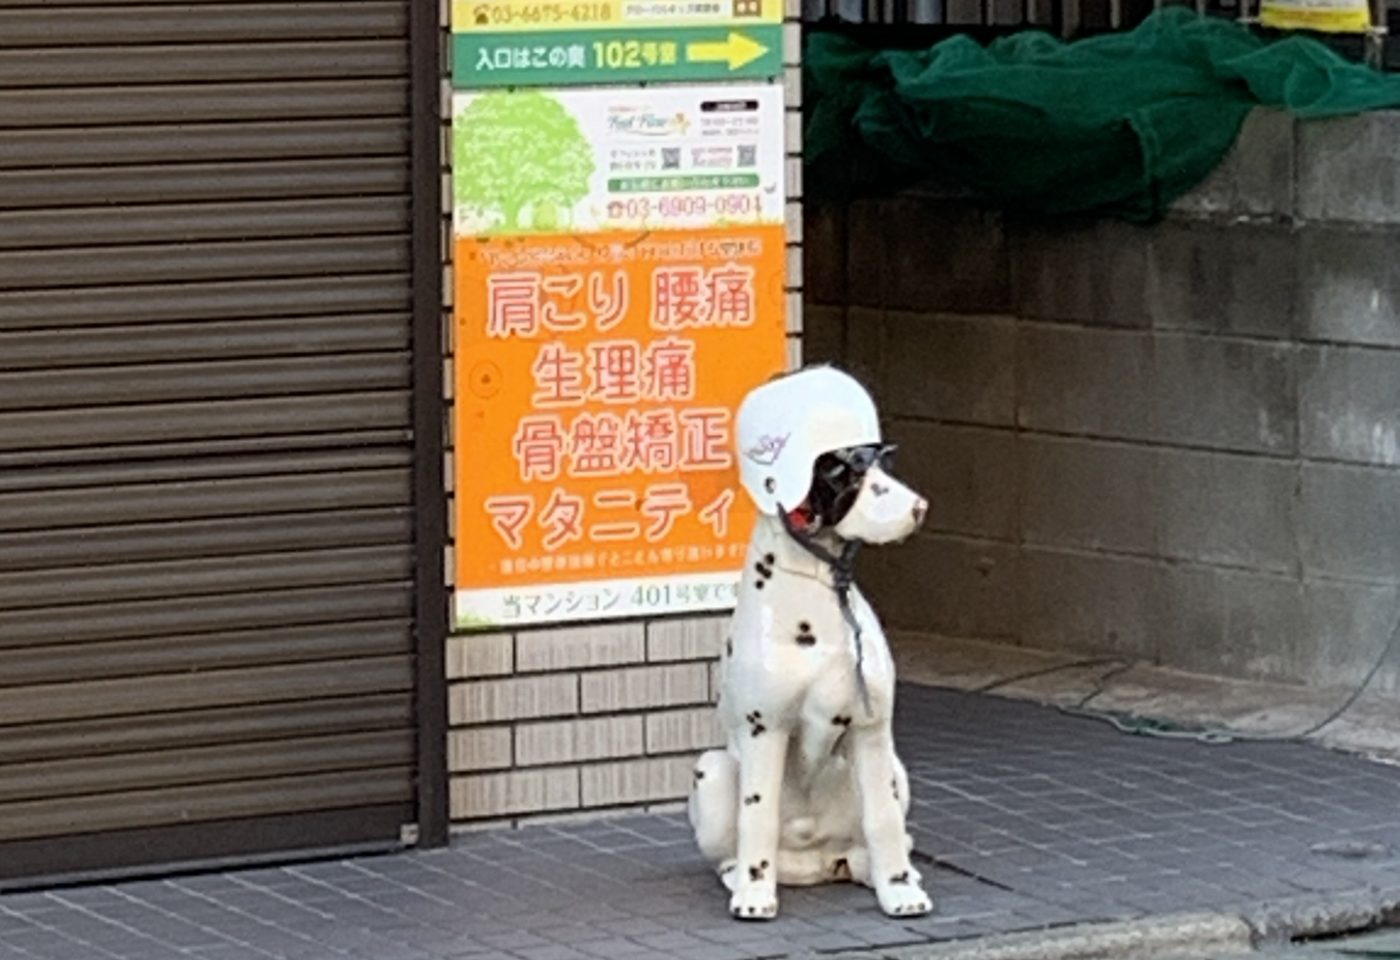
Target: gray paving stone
614 947
227 951
399 952
553 951
713 951
52 945
831 941
516 940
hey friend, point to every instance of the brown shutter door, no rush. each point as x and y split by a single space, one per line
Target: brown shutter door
206 454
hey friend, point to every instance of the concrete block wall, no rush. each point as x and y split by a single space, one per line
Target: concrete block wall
578 720
1179 443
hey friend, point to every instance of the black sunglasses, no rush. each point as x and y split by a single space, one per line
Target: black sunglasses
859 460
838 476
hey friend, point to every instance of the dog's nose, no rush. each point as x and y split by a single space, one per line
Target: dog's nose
920 511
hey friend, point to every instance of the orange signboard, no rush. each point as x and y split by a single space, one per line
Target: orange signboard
596 379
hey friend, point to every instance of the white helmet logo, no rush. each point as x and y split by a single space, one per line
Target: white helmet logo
768 449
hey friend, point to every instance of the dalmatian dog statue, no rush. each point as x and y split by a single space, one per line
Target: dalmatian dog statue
809 789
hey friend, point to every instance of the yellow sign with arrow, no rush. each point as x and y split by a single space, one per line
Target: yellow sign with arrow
737 50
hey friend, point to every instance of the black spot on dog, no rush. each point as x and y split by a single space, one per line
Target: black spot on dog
756 873
750 801
764 568
878 490
755 720
699 775
769 559
841 721
900 877
804 635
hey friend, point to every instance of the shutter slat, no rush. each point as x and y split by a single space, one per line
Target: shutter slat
202 652
171 183
222 801
204 63
232 379
151 302
99 24
241 724
203 765
190 263
76 106
211 340
219 143
178 616
233 536
47 508
192 223
205 576
216 688
37 429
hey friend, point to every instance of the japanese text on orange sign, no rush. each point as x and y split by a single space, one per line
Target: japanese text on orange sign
596 385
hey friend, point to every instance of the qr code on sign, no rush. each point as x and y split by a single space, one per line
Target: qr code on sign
748 155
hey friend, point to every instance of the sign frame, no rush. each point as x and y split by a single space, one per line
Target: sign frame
567 270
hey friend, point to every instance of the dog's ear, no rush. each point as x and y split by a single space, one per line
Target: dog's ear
833 488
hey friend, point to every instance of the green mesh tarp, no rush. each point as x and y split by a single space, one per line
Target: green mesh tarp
1118 125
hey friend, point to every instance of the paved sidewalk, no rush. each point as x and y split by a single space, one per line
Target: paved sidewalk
1024 818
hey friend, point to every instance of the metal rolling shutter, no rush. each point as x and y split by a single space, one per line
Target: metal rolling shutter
206 457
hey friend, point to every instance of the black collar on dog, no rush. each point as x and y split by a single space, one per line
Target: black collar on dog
843 576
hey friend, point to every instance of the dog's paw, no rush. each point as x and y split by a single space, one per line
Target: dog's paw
754 901
903 899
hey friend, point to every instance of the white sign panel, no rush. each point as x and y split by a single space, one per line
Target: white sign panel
597 159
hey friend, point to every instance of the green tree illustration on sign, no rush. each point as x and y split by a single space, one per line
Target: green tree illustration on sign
513 150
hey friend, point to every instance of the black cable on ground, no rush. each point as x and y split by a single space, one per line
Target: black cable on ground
1140 726
1043 672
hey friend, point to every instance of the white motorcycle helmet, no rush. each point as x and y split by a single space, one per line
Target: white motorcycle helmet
785 425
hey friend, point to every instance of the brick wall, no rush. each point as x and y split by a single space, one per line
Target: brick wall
1180 443
594 716
550 722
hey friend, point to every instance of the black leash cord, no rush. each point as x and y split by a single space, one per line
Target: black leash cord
843 576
